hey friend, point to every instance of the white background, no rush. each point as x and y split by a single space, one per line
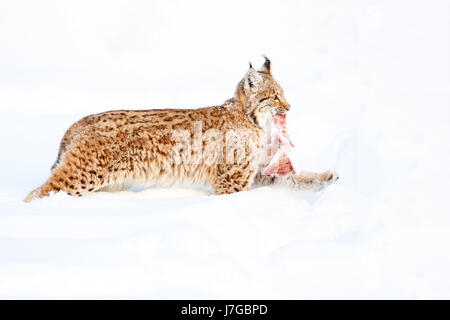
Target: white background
369 85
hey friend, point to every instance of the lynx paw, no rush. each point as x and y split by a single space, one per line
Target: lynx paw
327 178
331 176
318 181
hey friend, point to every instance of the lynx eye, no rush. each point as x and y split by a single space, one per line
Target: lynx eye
274 98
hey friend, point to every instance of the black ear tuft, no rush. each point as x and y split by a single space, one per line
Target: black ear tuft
250 64
266 67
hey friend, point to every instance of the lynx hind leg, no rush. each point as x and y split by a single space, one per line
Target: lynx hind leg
312 181
232 178
42 191
72 182
75 175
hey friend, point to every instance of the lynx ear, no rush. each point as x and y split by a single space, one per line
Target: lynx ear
252 79
266 67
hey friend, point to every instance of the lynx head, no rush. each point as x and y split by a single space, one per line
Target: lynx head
261 96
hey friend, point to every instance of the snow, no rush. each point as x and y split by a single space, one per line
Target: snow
369 86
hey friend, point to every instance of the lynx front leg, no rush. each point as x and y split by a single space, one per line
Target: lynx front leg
311 181
233 178
304 180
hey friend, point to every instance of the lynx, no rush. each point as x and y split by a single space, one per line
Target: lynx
117 149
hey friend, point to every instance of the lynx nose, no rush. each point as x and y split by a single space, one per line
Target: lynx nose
281 110
287 106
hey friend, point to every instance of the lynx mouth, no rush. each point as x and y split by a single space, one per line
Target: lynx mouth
280 111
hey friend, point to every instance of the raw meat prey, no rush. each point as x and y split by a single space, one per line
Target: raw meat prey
278 161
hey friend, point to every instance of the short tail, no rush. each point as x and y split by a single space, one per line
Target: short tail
56 161
42 191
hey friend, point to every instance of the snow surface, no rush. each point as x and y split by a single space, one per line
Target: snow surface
369 86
